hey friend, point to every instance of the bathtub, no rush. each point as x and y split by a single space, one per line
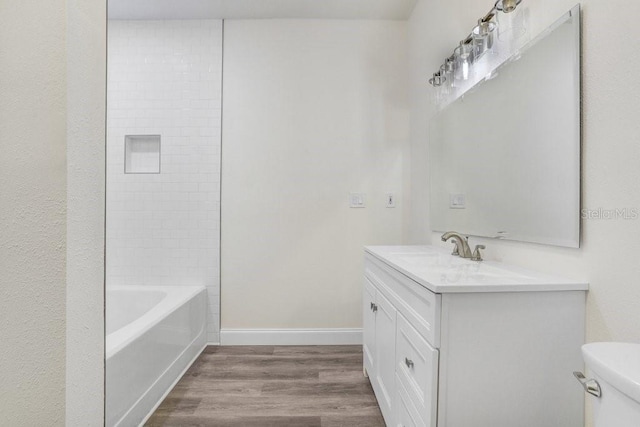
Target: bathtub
154 333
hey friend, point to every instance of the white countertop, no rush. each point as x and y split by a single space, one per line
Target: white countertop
440 272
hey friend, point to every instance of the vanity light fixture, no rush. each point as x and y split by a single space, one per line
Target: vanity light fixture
480 40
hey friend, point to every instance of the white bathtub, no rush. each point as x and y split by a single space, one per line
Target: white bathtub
153 336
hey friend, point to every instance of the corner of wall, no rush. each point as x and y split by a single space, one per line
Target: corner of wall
86 104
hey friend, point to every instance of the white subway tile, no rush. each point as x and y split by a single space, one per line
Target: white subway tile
163 229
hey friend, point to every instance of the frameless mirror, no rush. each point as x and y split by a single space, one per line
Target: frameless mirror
505 157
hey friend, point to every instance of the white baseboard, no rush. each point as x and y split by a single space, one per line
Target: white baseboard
341 336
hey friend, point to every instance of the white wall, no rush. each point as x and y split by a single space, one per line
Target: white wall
51 211
32 213
163 229
313 110
86 108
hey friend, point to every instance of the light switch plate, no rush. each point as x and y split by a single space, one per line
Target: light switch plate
457 201
356 200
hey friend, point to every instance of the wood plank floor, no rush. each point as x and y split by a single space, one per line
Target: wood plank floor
267 386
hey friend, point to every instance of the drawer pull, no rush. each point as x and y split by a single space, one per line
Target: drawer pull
408 362
590 386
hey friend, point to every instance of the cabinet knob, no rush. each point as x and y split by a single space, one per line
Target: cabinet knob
408 362
375 308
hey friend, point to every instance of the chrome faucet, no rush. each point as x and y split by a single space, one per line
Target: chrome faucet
462 248
461 244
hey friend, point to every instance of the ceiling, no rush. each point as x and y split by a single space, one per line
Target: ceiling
260 9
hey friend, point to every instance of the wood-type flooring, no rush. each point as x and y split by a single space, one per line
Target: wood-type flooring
272 386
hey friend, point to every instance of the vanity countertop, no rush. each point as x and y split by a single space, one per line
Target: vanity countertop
440 272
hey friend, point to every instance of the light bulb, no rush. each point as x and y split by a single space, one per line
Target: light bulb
437 79
464 57
509 5
483 36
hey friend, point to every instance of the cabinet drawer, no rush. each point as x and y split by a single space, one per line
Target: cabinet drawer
418 305
417 369
406 414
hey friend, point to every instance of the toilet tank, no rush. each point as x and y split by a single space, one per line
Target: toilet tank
616 369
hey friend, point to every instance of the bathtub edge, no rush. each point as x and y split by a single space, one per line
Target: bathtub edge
173 384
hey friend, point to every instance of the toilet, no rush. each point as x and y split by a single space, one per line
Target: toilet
614 383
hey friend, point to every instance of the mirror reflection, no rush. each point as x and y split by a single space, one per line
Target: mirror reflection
505 157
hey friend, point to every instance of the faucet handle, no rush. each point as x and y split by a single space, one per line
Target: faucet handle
477 256
456 250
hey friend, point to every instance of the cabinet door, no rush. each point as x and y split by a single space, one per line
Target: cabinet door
385 353
406 413
369 327
417 369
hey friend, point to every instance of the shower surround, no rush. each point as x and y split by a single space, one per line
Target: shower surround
164 78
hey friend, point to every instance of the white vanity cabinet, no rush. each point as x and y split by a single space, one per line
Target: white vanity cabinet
379 348
451 342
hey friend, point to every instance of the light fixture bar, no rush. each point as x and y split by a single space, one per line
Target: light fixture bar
479 41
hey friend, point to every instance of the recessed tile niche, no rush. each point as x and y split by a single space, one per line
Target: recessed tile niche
142 154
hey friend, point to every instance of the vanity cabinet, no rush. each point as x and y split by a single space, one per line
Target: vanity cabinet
379 346
449 342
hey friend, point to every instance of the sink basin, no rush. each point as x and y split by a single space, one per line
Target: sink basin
474 273
451 269
429 258
414 256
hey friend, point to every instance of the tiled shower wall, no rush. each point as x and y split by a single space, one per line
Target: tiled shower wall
164 78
